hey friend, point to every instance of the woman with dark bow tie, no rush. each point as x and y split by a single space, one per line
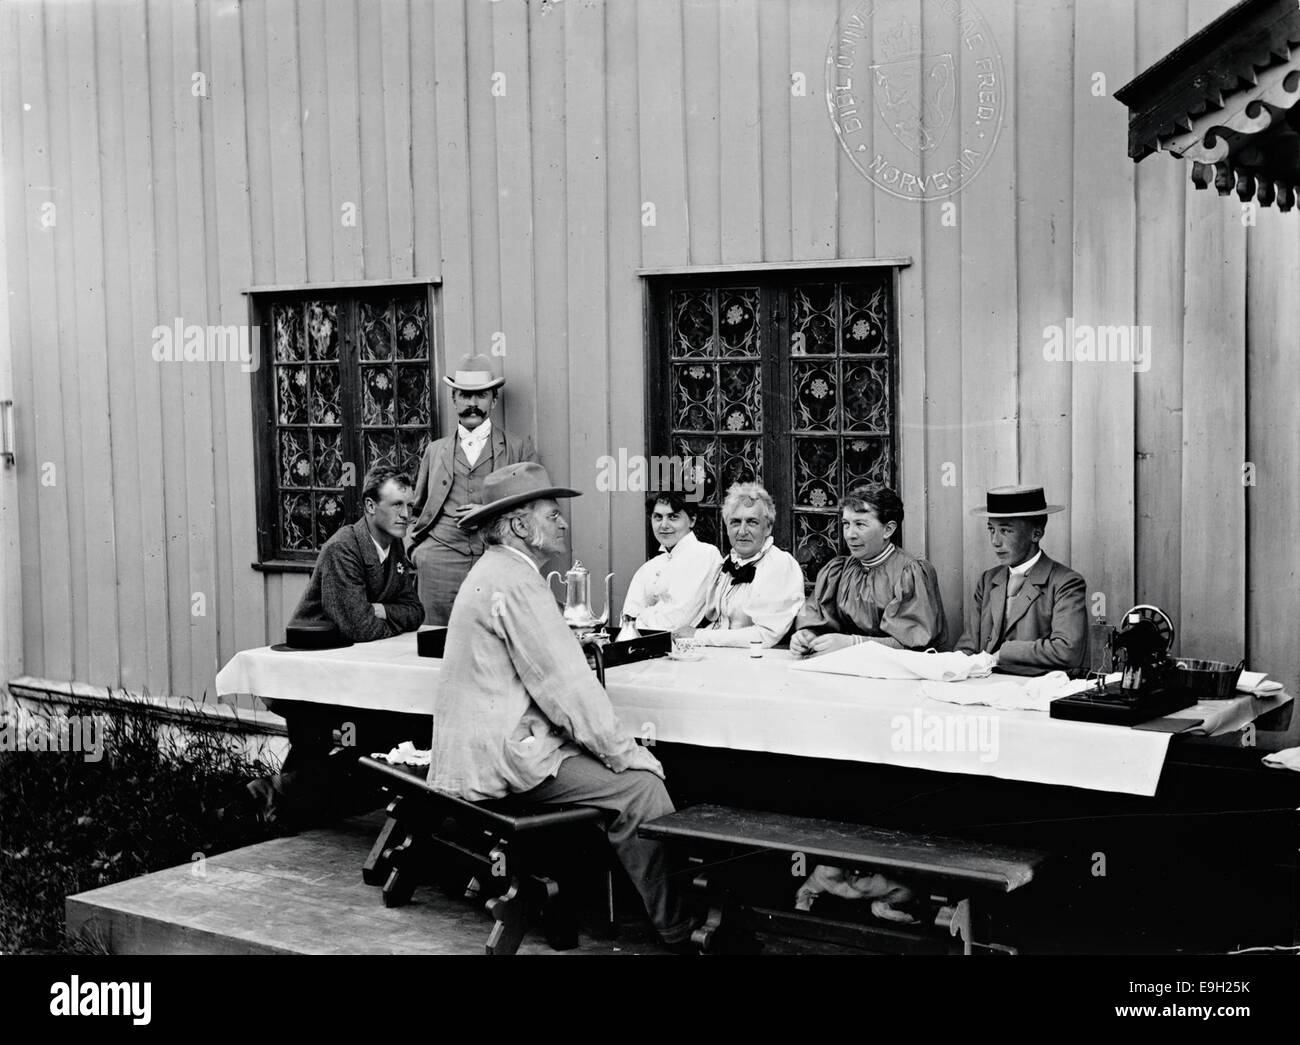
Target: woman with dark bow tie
759 588
877 591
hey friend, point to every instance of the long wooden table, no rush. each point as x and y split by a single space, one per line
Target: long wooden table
730 701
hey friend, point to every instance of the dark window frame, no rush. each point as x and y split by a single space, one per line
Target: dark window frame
775 283
272 558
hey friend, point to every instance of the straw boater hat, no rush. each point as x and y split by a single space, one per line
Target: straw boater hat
1016 502
511 486
475 374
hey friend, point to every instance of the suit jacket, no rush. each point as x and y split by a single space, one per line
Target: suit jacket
434 480
349 577
1046 627
516 697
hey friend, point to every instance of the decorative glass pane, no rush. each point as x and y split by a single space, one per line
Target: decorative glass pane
812 325
327 453
330 515
295 461
413 394
287 339
376 395
291 394
740 390
738 322
866 318
379 448
693 397
742 462
412 446
707 528
295 522
816 473
701 450
375 330
866 396
816 542
412 329
814 400
326 406
323 329
692 330
868 461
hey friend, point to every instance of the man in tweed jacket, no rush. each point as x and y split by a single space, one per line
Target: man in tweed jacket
520 712
365 586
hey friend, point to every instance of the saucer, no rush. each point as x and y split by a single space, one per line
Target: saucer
686 656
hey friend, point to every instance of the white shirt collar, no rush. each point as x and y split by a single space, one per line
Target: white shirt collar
688 538
755 557
383 552
1025 566
479 434
527 558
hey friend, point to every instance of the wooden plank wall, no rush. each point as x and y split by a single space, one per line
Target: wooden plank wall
531 205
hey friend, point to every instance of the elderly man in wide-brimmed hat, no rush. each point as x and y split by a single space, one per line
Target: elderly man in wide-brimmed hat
520 712
1030 610
450 484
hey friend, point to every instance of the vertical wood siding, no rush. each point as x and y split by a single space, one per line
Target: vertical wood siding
528 205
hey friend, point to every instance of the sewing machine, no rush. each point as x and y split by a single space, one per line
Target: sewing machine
1150 683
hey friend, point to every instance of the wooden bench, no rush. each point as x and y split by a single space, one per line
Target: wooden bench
501 849
730 848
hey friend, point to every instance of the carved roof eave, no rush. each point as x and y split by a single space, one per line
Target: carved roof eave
1199 76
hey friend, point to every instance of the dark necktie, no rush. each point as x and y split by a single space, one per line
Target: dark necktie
739 574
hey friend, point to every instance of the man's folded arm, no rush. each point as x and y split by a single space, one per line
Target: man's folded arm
343 596
406 612
1064 648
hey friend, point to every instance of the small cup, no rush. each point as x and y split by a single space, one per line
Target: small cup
684 645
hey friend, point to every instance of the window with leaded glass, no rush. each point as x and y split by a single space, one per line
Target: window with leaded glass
788 380
344 385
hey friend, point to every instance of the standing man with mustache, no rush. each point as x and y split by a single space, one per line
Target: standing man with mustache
450 484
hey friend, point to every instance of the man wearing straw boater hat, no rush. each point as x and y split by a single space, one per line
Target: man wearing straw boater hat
1029 610
450 484
520 712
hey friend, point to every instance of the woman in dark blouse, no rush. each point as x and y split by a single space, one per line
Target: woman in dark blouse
877 591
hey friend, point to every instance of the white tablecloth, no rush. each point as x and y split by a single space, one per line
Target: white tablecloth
728 700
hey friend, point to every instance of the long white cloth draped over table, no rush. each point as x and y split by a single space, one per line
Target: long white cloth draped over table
729 700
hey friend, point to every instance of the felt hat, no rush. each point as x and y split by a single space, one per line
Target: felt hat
308 635
1016 502
511 486
475 374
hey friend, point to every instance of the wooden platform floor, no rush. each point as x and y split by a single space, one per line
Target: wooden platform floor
304 895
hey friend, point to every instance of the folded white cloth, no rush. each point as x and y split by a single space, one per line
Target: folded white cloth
1032 694
1257 682
1288 759
872 660
405 754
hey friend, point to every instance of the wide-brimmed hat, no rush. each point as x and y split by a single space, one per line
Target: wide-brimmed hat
475 374
304 636
513 485
1016 502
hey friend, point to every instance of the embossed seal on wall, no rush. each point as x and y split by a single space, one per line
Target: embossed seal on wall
919 122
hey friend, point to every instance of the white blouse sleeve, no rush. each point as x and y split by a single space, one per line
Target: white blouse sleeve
687 583
634 602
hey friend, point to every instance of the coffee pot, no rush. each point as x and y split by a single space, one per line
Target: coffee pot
578 613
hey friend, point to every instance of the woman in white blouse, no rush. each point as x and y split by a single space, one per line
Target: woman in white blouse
668 592
759 589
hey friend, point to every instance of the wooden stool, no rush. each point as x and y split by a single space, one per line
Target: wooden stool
499 849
